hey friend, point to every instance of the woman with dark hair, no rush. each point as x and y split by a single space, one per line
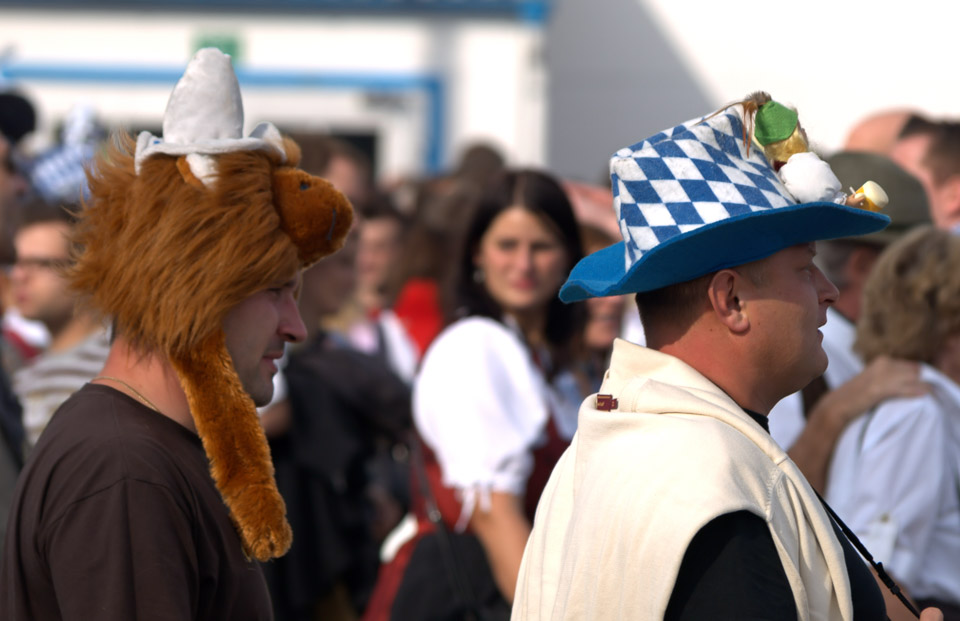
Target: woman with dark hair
488 408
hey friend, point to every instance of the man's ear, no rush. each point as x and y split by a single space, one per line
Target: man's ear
725 295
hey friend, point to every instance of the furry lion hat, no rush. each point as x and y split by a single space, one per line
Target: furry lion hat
179 230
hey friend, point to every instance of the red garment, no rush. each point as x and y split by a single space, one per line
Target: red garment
25 351
418 309
391 574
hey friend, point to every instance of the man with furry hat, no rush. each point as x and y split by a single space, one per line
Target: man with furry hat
673 501
150 494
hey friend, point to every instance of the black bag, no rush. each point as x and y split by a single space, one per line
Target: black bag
429 591
448 577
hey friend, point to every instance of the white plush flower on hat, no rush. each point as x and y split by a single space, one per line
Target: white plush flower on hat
204 118
809 179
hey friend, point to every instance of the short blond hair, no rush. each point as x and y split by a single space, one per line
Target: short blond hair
911 301
682 303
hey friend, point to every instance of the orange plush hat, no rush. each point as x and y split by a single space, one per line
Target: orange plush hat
179 230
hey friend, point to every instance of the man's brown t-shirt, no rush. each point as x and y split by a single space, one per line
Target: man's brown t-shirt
116 517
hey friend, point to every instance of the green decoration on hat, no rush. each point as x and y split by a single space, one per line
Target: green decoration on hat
774 122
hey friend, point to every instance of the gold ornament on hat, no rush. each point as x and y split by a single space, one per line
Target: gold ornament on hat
776 130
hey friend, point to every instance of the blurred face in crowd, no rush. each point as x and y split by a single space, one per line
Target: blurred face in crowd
944 198
604 315
379 250
40 292
604 321
348 177
256 332
522 261
330 283
909 153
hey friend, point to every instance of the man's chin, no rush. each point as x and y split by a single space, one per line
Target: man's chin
822 367
261 393
816 370
813 371
262 398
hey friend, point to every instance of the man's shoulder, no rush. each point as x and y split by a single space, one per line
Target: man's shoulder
631 463
706 447
637 497
100 436
657 412
100 412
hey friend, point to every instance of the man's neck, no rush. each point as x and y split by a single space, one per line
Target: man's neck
734 385
712 356
148 378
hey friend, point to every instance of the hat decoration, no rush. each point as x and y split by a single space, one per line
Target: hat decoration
177 231
806 177
908 206
204 117
774 122
696 199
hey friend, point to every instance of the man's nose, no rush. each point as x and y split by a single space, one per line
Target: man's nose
291 327
828 291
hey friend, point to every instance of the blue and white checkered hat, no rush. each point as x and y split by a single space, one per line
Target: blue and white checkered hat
691 201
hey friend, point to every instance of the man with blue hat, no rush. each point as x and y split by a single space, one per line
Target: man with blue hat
673 501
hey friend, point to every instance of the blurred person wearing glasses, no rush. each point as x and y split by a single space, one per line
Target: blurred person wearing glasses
78 341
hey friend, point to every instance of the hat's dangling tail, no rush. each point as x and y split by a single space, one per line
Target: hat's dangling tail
240 463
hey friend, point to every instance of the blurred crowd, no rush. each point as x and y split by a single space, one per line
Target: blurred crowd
414 429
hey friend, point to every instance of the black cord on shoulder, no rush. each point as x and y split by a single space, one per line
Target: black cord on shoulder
878 567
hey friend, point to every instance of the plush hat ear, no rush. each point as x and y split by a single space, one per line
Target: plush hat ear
315 215
292 151
184 167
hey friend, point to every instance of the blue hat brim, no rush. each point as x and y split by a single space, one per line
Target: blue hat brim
716 246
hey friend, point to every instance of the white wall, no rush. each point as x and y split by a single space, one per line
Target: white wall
498 86
836 60
490 69
619 69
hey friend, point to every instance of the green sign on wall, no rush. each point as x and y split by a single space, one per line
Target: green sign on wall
226 43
